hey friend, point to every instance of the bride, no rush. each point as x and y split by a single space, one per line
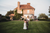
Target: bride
24 24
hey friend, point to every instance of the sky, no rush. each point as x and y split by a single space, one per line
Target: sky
41 6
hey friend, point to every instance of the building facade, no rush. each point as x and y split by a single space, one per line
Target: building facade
28 10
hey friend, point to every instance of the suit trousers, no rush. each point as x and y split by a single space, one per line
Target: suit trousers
27 24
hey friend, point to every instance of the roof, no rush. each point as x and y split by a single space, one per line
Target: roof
16 8
11 15
25 7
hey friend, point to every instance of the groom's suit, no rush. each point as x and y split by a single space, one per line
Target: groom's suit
27 23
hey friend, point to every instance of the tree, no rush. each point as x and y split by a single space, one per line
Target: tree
17 15
49 11
9 12
42 16
22 12
16 12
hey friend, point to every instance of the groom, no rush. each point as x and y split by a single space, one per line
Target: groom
27 24
27 20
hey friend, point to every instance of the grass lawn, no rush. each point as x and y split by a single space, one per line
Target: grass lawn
17 27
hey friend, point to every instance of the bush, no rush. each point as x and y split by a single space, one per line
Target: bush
8 18
48 19
5 18
14 18
31 19
42 19
17 17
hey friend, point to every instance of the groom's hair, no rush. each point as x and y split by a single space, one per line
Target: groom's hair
27 16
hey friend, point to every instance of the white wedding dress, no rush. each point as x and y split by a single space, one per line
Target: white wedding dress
24 26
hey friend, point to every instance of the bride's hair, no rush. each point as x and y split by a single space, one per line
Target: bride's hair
27 16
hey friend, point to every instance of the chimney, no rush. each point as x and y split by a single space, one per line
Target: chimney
28 4
18 5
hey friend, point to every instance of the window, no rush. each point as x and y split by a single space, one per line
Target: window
27 11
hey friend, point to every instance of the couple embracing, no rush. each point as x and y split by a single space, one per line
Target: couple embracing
26 23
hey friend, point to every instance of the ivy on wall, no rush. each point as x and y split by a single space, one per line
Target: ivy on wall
17 15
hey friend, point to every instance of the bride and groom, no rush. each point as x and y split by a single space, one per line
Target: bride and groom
26 23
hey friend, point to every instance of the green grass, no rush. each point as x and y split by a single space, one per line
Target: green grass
17 27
